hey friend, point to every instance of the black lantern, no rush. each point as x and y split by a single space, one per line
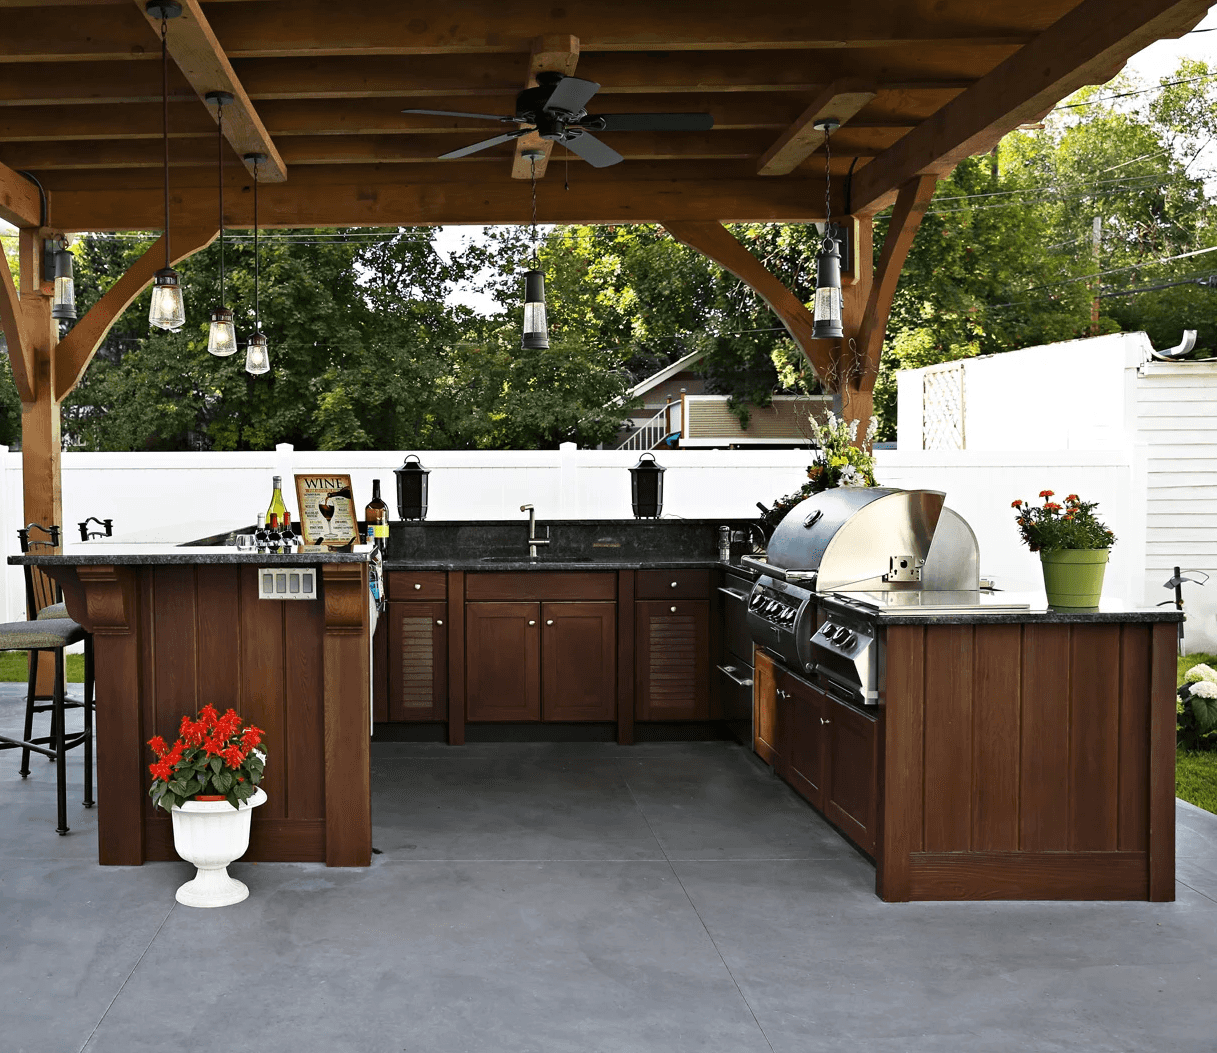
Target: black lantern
826 324
412 489
536 333
646 487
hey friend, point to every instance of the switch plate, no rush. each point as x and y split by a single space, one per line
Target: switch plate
287 583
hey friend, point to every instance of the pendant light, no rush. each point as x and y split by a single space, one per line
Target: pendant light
58 261
221 334
257 357
167 310
827 321
536 332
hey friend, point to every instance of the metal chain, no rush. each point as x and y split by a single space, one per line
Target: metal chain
220 168
535 258
257 263
165 122
827 186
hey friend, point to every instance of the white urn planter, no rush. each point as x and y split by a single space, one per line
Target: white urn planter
211 834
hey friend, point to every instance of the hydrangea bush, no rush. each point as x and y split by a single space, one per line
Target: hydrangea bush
1196 710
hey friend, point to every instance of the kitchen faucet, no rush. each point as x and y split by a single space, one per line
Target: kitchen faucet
533 540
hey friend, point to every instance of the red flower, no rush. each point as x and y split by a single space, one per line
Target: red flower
233 757
208 716
161 770
251 737
1052 506
158 745
1046 493
1072 499
1016 504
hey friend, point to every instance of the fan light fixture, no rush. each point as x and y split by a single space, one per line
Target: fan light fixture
221 334
257 357
57 267
826 325
536 331
168 311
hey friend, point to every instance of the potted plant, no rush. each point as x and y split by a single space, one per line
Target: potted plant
208 782
1073 545
836 462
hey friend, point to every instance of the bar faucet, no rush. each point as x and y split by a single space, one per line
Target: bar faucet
533 540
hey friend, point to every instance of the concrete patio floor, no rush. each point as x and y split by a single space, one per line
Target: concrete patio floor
577 897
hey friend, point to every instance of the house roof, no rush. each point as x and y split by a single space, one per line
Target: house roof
667 373
319 89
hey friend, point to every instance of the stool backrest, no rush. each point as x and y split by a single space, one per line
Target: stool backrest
41 590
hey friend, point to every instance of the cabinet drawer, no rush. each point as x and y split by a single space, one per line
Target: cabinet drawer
666 584
541 585
418 585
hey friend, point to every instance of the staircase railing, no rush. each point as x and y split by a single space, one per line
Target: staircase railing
653 432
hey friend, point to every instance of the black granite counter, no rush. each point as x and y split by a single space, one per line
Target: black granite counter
136 555
1037 612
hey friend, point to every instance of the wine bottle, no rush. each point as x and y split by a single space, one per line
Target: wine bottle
272 533
276 507
260 533
376 515
289 535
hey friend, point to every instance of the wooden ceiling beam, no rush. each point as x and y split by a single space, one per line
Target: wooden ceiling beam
19 199
550 54
1083 47
198 54
841 100
380 204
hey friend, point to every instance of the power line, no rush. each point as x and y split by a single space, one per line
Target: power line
1129 94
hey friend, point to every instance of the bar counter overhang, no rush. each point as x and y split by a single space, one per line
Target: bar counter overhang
176 628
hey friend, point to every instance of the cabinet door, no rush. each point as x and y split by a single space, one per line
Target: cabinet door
579 661
672 652
806 744
503 661
851 796
764 708
417 656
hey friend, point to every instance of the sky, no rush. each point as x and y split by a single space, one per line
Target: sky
1156 61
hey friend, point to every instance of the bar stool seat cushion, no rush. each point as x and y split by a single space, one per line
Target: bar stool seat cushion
55 610
43 634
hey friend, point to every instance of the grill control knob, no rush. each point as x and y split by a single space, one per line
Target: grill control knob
850 640
840 634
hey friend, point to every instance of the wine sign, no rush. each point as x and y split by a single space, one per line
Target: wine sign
327 510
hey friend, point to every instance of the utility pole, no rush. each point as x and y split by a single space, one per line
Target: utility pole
1097 239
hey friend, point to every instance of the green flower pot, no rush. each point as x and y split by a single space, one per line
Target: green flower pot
1073 577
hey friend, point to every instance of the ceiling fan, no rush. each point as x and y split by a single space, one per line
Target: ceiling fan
557 109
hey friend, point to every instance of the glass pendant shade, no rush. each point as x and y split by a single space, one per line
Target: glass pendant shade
827 321
168 311
63 303
257 357
222 336
536 334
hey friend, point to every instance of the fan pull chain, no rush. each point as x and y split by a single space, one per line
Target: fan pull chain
566 177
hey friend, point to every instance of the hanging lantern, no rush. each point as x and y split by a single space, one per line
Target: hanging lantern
257 357
168 311
412 489
826 324
221 333
63 302
646 487
536 334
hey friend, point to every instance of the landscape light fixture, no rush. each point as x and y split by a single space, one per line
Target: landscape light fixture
57 268
257 357
536 331
168 310
646 487
221 334
826 325
412 488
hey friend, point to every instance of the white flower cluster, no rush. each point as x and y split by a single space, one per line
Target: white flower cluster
850 476
1199 673
1204 689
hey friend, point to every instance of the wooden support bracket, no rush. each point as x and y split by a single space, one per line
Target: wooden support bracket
550 54
20 354
76 349
719 244
19 203
841 100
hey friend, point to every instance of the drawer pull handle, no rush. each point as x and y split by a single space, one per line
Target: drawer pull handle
439 621
417 585
823 721
672 609
549 621
531 622
673 585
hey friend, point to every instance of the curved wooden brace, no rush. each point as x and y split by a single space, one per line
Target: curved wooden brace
75 351
719 244
20 354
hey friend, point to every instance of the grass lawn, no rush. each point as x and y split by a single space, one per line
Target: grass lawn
13 666
1196 773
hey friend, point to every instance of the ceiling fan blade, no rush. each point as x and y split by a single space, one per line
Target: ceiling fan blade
485 144
592 150
571 95
455 113
649 122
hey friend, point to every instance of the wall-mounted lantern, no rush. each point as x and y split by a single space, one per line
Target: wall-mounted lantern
412 488
646 487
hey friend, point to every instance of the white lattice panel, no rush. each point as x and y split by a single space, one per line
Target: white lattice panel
942 408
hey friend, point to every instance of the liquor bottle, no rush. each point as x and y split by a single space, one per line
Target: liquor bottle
276 506
272 532
260 533
289 535
376 515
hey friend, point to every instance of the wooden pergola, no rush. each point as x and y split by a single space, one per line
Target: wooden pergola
318 87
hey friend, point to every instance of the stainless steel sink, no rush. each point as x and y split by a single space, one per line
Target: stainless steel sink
536 559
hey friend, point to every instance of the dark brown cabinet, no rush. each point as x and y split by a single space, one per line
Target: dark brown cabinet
503 661
806 756
672 656
851 798
579 661
417 657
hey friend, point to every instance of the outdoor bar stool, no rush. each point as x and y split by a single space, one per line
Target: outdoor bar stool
44 602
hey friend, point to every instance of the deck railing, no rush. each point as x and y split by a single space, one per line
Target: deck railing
653 432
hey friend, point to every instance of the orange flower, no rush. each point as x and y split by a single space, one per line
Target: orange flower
1016 504
1072 499
1046 493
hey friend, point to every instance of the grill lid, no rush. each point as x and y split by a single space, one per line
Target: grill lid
855 537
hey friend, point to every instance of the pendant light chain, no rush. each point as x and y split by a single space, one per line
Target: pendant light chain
827 183
536 259
257 263
165 121
220 167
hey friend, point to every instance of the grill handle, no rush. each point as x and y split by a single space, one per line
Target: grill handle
835 690
729 672
735 594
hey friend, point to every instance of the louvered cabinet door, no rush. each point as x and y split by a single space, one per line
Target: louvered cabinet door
418 661
672 649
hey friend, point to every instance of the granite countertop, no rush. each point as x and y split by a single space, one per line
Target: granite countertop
1111 609
135 555
568 563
